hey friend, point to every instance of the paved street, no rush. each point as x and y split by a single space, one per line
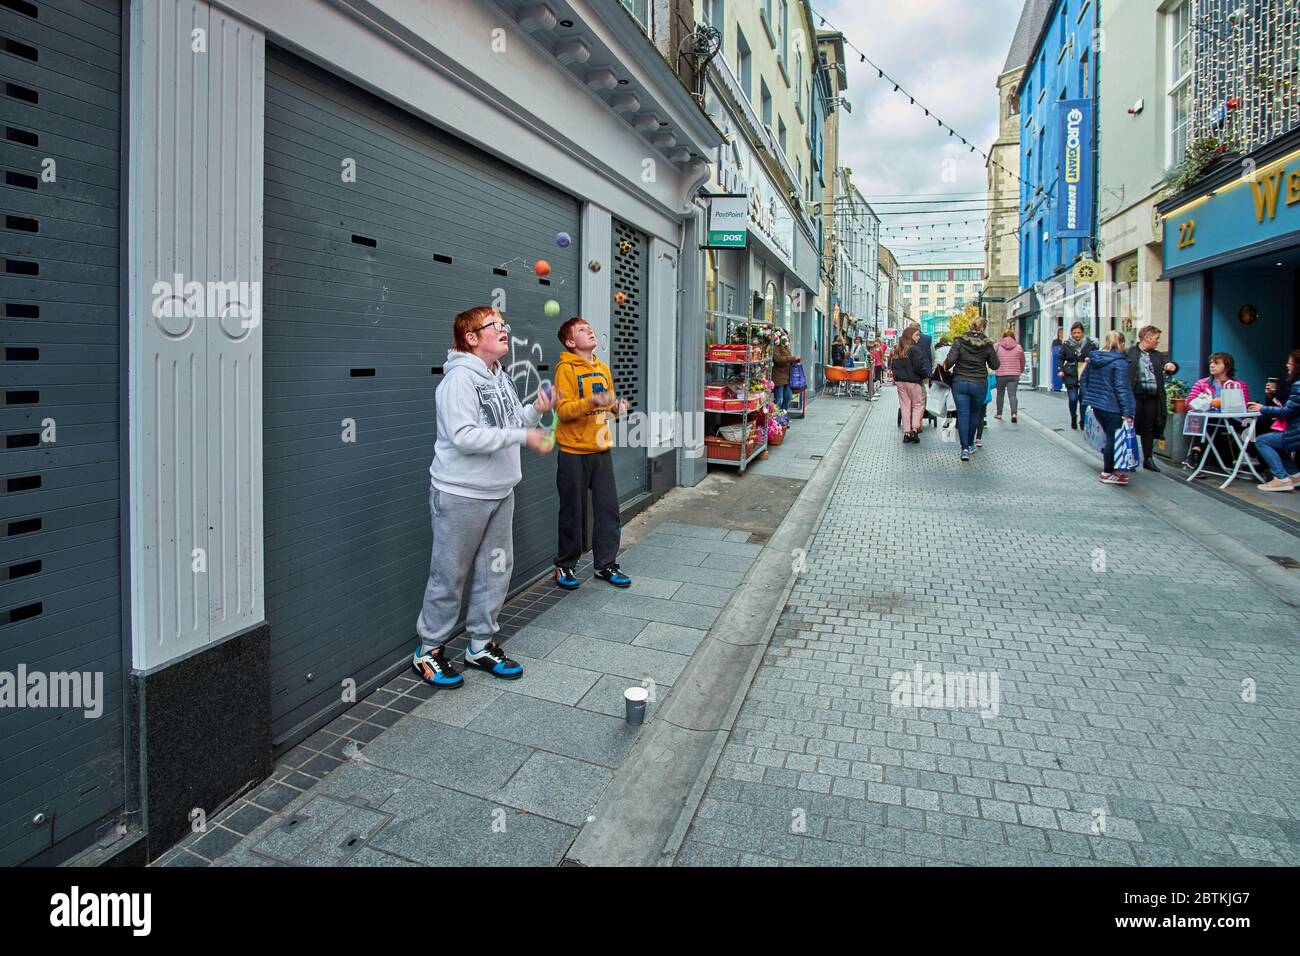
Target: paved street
1144 689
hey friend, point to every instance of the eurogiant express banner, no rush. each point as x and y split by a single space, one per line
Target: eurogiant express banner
1074 190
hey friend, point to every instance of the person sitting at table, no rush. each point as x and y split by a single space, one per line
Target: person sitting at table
1274 393
1207 395
1277 448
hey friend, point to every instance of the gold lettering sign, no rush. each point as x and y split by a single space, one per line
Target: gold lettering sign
1266 195
1293 188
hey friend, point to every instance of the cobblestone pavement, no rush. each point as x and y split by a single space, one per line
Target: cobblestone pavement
1144 689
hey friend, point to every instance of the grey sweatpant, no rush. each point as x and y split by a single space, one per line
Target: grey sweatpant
1008 385
472 538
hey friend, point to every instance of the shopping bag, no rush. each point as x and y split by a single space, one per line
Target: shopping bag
1128 453
1093 433
798 380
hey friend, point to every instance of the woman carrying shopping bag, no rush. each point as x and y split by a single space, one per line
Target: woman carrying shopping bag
1108 395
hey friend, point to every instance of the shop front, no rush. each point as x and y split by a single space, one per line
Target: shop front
1232 253
1045 313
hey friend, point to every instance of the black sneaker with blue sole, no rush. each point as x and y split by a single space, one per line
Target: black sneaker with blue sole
493 660
614 576
567 579
435 670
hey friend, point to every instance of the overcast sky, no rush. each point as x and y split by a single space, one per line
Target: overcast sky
946 53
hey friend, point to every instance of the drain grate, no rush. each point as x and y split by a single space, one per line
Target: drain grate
1283 561
815 457
757 537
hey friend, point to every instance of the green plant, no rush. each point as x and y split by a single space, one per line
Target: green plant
1175 389
1199 157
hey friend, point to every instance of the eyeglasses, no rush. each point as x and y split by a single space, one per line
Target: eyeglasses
499 326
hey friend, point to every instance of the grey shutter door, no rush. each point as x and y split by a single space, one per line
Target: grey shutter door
627 349
60 565
362 281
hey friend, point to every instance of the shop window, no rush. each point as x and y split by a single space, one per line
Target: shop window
1126 298
769 303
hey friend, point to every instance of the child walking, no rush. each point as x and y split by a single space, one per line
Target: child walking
481 424
586 464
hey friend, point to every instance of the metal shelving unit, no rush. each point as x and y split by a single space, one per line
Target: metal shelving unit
759 370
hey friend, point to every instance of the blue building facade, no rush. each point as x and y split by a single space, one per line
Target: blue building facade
1063 66
1057 99
1232 236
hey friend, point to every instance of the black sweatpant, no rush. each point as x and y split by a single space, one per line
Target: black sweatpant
575 475
1144 421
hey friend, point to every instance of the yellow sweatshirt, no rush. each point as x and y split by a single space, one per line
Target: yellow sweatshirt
583 428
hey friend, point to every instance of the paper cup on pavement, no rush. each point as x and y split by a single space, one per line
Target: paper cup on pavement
635 698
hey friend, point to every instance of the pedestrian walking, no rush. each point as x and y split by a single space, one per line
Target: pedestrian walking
1011 363
782 359
910 376
970 358
939 398
481 424
1148 367
927 349
878 355
1278 448
1074 352
984 410
1106 388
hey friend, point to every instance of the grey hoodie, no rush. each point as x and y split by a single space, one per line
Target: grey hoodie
481 424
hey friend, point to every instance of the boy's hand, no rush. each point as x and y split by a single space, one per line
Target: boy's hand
547 396
539 440
621 407
601 399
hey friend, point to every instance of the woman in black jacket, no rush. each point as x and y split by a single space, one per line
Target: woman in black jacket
970 359
907 362
1073 351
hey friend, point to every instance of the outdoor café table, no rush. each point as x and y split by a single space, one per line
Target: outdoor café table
1215 422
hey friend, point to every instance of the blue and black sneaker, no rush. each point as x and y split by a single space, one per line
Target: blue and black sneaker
435 670
493 660
567 579
614 576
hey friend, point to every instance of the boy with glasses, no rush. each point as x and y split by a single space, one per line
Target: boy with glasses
481 424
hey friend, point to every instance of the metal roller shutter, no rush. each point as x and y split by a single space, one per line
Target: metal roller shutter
362 280
627 347
60 565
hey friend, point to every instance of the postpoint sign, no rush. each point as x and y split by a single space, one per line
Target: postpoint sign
728 222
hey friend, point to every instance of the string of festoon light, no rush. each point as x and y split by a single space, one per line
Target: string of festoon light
898 88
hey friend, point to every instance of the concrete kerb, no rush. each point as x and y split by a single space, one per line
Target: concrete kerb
643 816
1278 581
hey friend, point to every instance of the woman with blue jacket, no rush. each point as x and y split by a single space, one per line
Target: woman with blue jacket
1105 388
1276 447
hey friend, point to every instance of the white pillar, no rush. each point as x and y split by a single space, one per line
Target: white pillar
195 379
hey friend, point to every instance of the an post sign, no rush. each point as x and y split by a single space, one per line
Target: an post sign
728 222
1074 188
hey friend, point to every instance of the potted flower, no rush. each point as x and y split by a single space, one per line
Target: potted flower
1176 396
